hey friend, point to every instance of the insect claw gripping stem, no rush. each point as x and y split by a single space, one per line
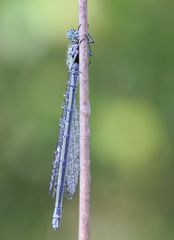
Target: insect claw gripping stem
66 164
85 37
80 26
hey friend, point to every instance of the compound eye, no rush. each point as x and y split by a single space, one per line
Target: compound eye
69 35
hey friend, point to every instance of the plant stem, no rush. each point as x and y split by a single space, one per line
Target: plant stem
84 204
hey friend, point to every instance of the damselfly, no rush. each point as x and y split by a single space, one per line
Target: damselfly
66 164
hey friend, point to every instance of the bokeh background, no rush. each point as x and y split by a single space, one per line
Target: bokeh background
132 118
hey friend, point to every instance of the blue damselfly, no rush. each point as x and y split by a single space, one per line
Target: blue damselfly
66 164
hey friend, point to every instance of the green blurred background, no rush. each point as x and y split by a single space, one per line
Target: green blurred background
132 118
